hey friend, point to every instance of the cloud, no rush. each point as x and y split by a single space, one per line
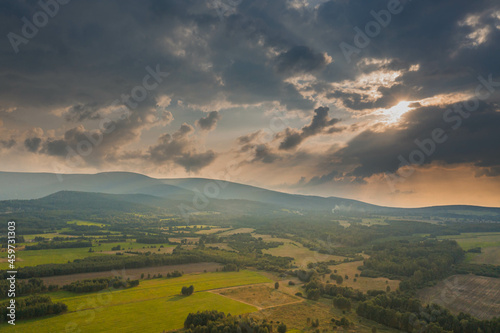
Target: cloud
32 144
79 113
209 122
320 123
180 148
299 59
472 140
105 144
7 144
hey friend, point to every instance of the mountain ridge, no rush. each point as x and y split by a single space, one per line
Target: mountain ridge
26 186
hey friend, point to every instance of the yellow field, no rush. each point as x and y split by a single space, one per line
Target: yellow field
237 231
295 317
302 255
362 283
260 296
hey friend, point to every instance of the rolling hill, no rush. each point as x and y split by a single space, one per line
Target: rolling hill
201 194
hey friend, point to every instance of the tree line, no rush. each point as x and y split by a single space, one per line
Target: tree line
58 245
31 307
402 312
93 285
218 322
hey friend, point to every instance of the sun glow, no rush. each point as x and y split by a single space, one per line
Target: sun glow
392 115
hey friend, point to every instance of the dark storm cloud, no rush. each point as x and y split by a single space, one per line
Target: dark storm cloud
300 59
473 139
209 122
32 144
320 123
180 148
87 61
250 82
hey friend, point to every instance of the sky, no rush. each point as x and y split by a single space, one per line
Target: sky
390 102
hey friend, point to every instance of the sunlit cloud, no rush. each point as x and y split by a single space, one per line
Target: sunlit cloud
394 114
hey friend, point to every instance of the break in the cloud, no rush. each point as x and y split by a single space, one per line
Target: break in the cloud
141 86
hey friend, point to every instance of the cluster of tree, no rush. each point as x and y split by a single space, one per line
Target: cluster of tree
210 239
337 278
342 303
246 243
152 239
218 322
174 274
186 291
23 287
58 245
303 275
112 239
407 314
415 262
474 250
92 285
31 307
478 269
230 268
321 267
4 239
315 289
343 322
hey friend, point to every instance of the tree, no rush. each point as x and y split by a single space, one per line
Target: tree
342 303
276 285
374 329
281 328
186 291
344 322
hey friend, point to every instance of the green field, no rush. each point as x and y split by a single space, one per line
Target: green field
153 306
488 242
59 256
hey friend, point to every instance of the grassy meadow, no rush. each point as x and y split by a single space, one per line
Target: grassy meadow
59 256
488 242
157 303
